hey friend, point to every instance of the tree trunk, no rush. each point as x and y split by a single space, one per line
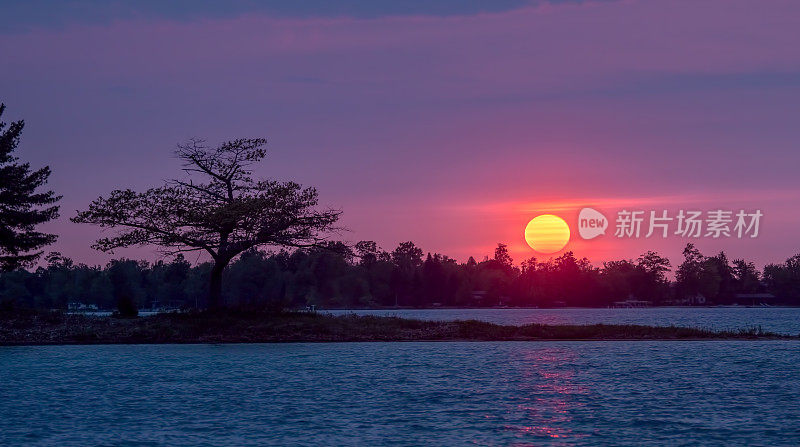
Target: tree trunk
215 285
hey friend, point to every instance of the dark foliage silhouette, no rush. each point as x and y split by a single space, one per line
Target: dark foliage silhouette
225 213
334 276
22 205
126 308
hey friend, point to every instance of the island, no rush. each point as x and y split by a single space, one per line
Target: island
247 326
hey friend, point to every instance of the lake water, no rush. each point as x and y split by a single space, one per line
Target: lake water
783 320
428 393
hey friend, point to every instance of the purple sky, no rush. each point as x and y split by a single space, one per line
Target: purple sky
451 127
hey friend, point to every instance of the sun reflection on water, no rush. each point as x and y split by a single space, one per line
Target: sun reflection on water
547 395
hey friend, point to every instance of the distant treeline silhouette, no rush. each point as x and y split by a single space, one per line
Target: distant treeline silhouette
219 208
338 276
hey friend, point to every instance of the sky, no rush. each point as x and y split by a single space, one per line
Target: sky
448 123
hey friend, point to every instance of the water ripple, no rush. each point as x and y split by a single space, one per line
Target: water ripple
509 393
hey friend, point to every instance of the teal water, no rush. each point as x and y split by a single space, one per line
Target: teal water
471 393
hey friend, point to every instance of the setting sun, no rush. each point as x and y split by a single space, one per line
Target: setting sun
547 233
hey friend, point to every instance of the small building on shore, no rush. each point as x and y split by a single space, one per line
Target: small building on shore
478 298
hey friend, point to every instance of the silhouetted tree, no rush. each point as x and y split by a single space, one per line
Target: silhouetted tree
783 280
569 279
721 268
654 265
698 275
367 252
687 277
225 214
746 277
654 285
502 257
61 285
167 281
376 268
407 258
127 280
22 207
622 279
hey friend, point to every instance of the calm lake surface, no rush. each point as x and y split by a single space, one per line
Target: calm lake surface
447 393
783 320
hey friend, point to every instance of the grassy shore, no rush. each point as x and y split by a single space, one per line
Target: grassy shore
23 328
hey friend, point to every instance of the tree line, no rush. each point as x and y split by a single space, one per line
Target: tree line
363 276
272 245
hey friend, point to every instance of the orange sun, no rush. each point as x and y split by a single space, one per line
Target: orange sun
547 233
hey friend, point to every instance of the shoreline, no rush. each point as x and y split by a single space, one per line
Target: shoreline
714 306
235 327
341 310
466 340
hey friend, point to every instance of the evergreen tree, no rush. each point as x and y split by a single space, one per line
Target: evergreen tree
501 255
22 207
